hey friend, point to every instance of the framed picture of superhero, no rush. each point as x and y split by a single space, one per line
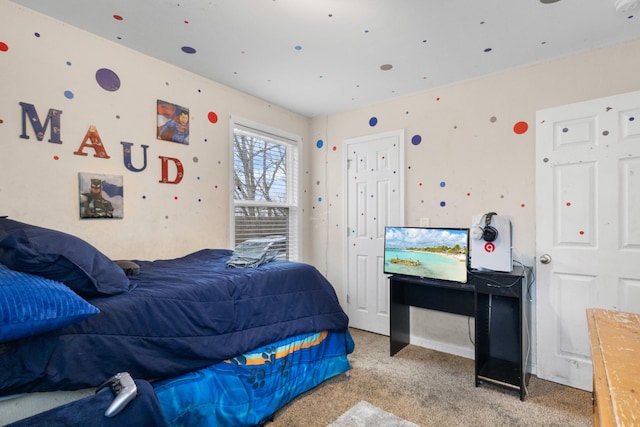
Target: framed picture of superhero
173 122
101 196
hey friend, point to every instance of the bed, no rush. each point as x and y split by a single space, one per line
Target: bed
268 333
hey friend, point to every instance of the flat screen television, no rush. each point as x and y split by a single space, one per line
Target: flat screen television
427 252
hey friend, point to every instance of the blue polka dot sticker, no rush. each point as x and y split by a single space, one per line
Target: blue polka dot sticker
107 79
319 143
416 139
373 121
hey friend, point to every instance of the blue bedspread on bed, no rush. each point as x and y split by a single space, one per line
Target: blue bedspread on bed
248 389
184 314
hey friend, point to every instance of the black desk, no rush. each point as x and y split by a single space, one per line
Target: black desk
498 304
451 297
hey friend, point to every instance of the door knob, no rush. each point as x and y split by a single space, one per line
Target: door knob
545 259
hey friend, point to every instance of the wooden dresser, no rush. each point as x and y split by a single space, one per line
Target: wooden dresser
615 351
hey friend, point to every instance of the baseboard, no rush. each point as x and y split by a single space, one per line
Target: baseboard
468 353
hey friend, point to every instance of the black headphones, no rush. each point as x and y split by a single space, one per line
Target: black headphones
489 233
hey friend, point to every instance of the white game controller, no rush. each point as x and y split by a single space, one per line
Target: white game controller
124 390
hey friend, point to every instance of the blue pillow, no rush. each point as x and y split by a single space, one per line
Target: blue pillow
61 257
31 305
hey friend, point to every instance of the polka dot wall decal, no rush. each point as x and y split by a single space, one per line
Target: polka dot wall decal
373 121
319 143
443 204
319 199
69 63
3 47
107 79
298 47
68 94
493 119
334 148
416 139
118 17
188 49
36 34
520 127
56 157
196 160
443 184
213 117
488 49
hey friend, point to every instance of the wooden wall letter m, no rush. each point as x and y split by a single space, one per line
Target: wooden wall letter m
53 119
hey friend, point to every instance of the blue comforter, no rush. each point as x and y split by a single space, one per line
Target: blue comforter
184 314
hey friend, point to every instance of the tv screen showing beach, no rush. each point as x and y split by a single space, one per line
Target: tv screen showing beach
436 253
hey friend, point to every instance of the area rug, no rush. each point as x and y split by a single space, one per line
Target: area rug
364 414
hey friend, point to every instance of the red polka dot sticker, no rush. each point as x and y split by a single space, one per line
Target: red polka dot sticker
3 47
520 128
213 117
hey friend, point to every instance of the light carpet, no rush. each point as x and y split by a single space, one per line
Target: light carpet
364 414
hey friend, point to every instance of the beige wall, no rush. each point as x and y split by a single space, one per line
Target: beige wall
468 142
160 220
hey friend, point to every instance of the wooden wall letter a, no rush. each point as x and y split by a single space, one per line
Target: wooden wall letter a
96 144
165 170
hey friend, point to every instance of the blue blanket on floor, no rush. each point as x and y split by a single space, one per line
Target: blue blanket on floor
143 411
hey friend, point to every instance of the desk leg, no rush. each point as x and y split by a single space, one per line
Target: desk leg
399 327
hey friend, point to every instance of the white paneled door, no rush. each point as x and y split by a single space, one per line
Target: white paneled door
375 200
587 227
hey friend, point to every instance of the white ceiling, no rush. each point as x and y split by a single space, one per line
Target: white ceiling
317 57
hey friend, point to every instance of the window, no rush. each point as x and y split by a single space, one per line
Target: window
265 189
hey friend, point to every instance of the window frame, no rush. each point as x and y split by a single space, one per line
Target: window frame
294 182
